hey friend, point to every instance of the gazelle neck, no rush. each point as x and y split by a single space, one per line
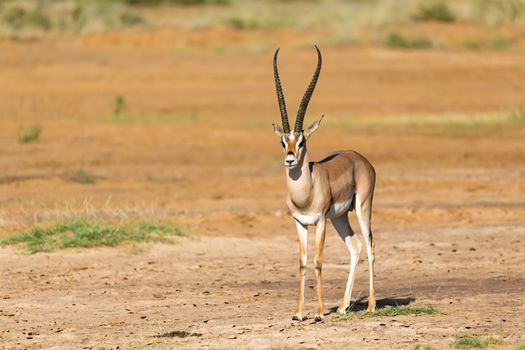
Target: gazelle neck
299 182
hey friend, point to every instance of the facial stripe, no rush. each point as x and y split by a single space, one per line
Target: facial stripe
290 146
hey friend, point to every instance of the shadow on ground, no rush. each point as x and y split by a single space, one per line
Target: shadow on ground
361 304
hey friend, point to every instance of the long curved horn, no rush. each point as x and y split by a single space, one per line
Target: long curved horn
280 95
308 94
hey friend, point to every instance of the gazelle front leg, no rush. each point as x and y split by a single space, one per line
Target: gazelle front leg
318 263
302 232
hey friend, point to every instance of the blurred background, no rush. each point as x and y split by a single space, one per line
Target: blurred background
126 110
129 121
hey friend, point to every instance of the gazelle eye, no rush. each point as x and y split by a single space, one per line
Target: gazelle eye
282 143
301 144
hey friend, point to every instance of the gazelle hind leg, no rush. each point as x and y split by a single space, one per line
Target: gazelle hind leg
363 210
302 232
343 228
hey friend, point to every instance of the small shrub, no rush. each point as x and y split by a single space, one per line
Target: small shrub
177 2
80 234
434 11
398 41
240 23
73 15
468 342
83 176
130 19
500 11
18 18
30 134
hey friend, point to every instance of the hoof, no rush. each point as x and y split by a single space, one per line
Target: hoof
297 318
371 305
318 318
342 310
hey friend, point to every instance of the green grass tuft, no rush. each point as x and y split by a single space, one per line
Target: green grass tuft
469 342
521 346
398 41
30 134
83 176
401 311
119 106
389 311
420 347
81 234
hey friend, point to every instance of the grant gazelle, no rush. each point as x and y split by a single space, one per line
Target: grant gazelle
327 189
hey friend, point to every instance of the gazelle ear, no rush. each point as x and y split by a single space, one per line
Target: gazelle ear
310 130
278 130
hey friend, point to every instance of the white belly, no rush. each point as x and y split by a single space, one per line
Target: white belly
335 211
338 209
307 219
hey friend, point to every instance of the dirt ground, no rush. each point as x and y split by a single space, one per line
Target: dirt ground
195 149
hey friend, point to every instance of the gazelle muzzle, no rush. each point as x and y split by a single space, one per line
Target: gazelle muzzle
293 144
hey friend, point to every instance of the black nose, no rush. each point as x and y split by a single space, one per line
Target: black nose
289 161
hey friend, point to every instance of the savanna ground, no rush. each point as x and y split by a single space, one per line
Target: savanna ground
172 126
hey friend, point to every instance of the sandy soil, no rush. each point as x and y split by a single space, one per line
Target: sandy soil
238 293
196 150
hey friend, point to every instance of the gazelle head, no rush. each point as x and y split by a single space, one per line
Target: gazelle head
294 141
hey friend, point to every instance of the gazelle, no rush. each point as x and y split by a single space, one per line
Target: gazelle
327 189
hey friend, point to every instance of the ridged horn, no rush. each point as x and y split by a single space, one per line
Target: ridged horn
280 95
308 94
